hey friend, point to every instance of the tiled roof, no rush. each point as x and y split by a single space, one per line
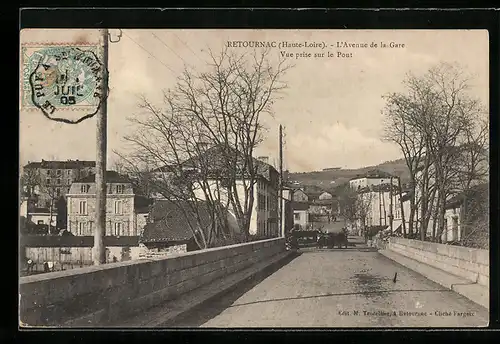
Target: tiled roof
214 157
479 191
373 174
386 187
300 205
111 177
324 201
142 204
43 211
62 165
170 223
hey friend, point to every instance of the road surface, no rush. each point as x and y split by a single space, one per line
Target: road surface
351 287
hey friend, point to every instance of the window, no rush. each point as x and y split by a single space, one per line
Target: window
40 222
58 172
118 228
91 227
84 188
58 181
81 228
69 181
296 216
120 189
48 172
68 172
58 192
118 207
83 207
47 181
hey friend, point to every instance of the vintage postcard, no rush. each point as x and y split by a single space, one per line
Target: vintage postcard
254 178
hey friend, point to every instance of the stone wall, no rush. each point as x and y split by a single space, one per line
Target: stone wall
92 296
469 263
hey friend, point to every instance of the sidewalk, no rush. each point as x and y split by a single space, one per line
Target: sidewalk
473 291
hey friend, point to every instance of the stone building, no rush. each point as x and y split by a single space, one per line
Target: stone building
264 216
372 178
126 211
50 180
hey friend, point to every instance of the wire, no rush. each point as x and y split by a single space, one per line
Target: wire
149 53
172 50
187 46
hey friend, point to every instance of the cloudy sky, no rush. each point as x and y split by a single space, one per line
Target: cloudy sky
331 111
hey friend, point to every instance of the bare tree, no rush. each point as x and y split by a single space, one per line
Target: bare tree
355 206
201 142
433 123
347 198
400 116
475 217
364 206
30 181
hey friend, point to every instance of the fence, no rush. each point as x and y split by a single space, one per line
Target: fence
66 258
75 241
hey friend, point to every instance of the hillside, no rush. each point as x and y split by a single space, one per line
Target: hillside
323 179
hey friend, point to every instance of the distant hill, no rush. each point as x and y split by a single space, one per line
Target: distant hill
324 179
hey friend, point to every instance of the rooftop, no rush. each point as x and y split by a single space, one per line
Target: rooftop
142 204
175 220
111 177
214 158
480 191
373 174
43 211
386 187
60 164
300 205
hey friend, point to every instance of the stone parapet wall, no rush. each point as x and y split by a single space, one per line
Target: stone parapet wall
469 263
95 295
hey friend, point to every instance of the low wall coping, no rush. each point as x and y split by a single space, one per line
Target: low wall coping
110 266
474 255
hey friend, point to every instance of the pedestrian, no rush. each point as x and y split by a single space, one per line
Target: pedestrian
30 265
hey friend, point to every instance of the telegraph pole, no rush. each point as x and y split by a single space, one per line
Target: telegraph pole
391 215
99 256
402 206
281 182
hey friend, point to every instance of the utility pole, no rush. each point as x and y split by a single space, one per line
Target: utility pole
391 215
99 256
382 193
380 206
281 182
402 207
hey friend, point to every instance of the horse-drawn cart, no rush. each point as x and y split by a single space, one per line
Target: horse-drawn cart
330 240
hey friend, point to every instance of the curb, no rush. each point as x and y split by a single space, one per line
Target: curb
475 292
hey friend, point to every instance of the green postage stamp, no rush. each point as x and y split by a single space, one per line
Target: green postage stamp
63 81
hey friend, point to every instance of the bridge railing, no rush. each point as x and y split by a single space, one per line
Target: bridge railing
93 296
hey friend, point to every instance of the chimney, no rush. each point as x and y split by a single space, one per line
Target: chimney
264 159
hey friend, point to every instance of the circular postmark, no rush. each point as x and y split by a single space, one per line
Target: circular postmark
65 82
